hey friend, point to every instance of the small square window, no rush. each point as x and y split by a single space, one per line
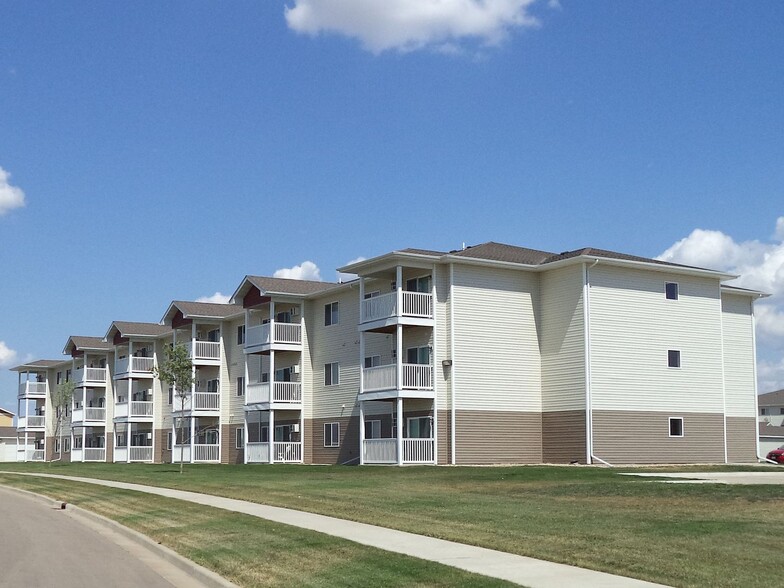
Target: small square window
671 290
169 440
676 426
331 434
240 334
373 429
673 358
241 386
331 374
239 442
331 314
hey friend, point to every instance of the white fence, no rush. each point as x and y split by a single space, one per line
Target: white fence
257 452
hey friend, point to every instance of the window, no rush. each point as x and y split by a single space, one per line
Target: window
171 394
418 285
373 361
284 317
67 443
781 411
264 377
671 290
213 336
67 375
331 434
418 355
169 440
240 438
673 358
57 445
121 439
285 433
331 314
283 374
372 294
763 411
676 426
331 374
241 335
420 428
264 435
373 429
241 386
59 378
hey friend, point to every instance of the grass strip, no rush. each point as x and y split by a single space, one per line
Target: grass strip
701 535
250 551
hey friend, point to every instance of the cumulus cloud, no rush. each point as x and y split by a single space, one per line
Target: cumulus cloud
409 25
760 265
341 277
217 298
307 270
11 197
7 355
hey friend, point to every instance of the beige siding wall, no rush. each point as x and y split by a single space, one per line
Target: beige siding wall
741 439
643 437
633 325
563 436
487 437
562 340
348 452
738 332
496 344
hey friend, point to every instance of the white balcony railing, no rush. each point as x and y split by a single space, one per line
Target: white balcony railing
76 454
380 451
32 389
415 304
141 408
206 452
206 401
89 413
418 451
136 364
90 374
31 422
285 333
30 455
385 450
288 451
140 453
257 452
94 454
384 377
181 453
259 392
209 350
120 454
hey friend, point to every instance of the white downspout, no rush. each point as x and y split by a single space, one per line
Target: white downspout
453 368
756 397
588 400
724 379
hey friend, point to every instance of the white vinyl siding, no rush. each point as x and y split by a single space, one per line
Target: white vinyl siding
496 341
632 326
738 355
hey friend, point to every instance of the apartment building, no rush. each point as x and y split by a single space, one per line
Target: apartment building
489 354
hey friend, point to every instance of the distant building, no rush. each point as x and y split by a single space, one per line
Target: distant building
771 420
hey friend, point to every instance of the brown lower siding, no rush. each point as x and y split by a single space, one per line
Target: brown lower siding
444 431
347 453
162 454
51 454
487 437
563 436
229 451
644 437
741 439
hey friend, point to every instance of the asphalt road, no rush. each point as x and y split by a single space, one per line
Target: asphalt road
41 545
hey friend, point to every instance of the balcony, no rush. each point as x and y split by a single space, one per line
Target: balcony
415 451
417 381
381 312
31 423
32 390
197 402
273 336
135 409
283 452
206 453
89 414
203 352
133 454
139 366
90 376
282 393
30 455
88 454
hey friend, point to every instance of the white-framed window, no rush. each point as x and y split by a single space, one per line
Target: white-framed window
673 358
239 438
57 445
763 411
420 427
671 290
285 433
241 386
331 374
372 294
418 355
169 440
331 434
331 314
67 375
171 395
372 361
59 377
283 374
241 335
213 335
67 443
373 429
421 284
264 377
676 426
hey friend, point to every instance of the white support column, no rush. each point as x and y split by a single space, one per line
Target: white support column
193 437
272 323
361 432
361 299
271 378
84 436
221 394
433 366
399 359
399 289
399 431
245 434
271 436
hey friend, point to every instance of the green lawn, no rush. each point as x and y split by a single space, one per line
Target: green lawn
250 551
678 534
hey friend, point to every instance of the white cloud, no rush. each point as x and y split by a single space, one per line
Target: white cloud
307 270
341 277
761 267
7 355
10 196
408 25
216 298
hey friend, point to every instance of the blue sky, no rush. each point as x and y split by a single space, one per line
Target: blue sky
152 151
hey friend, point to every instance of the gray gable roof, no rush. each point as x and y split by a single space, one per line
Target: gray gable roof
500 252
289 286
90 343
207 309
771 398
38 364
128 329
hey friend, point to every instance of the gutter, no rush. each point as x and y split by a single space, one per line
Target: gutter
587 330
452 354
756 388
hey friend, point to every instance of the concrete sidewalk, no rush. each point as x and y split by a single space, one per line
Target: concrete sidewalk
496 564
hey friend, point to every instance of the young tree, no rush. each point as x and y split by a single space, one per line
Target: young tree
176 370
61 400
